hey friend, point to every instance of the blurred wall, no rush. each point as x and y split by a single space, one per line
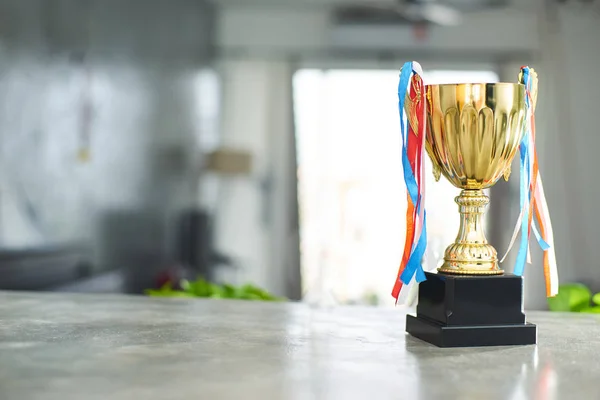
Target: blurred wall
257 215
114 79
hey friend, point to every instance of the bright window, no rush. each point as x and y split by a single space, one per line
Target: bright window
351 191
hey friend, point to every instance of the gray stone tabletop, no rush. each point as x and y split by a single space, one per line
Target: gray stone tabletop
73 346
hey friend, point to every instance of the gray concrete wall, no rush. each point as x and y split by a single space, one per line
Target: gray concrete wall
121 76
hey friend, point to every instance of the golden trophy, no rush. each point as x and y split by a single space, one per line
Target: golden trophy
473 134
474 131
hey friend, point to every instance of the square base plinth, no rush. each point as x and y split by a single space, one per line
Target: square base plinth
470 336
470 311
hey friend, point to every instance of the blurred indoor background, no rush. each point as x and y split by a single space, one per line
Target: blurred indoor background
258 140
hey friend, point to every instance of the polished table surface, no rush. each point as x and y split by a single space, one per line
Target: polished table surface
73 346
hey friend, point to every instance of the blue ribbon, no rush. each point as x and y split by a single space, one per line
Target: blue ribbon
524 175
414 262
409 176
525 189
413 266
543 244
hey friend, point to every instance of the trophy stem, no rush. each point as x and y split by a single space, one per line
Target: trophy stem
471 254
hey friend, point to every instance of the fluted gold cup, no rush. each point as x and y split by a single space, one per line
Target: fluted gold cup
473 134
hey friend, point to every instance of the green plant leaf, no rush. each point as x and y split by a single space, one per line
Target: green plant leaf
591 310
154 293
179 293
570 297
229 291
164 290
186 285
167 291
202 288
596 299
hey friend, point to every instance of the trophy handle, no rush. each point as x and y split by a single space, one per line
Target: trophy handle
534 86
411 104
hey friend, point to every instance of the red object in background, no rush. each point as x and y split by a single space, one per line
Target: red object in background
171 275
420 31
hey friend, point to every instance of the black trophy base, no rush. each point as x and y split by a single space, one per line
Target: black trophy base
471 311
470 336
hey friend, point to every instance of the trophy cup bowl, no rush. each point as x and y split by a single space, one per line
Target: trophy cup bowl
473 133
